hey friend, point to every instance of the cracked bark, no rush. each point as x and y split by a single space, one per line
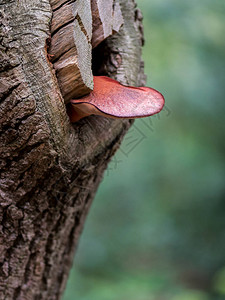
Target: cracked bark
50 169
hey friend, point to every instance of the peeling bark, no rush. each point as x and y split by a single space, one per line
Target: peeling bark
49 168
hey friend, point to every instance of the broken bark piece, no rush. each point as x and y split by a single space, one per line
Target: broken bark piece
71 47
69 12
55 4
62 16
107 18
63 40
69 76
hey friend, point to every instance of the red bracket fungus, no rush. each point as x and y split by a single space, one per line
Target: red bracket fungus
111 99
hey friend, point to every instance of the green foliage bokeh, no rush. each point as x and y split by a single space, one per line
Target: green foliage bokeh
156 229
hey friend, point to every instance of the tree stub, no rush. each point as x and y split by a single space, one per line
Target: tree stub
70 48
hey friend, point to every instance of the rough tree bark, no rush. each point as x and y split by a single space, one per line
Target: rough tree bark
49 168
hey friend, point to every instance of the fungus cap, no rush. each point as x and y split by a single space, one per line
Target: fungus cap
111 99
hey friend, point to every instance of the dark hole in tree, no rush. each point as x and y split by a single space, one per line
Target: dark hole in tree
100 59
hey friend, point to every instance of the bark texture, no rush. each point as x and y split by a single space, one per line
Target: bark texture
50 169
107 18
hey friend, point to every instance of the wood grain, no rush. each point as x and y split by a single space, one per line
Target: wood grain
71 58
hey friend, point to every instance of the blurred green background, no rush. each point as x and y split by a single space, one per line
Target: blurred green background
156 230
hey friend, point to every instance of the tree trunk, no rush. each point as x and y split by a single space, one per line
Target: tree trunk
50 169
